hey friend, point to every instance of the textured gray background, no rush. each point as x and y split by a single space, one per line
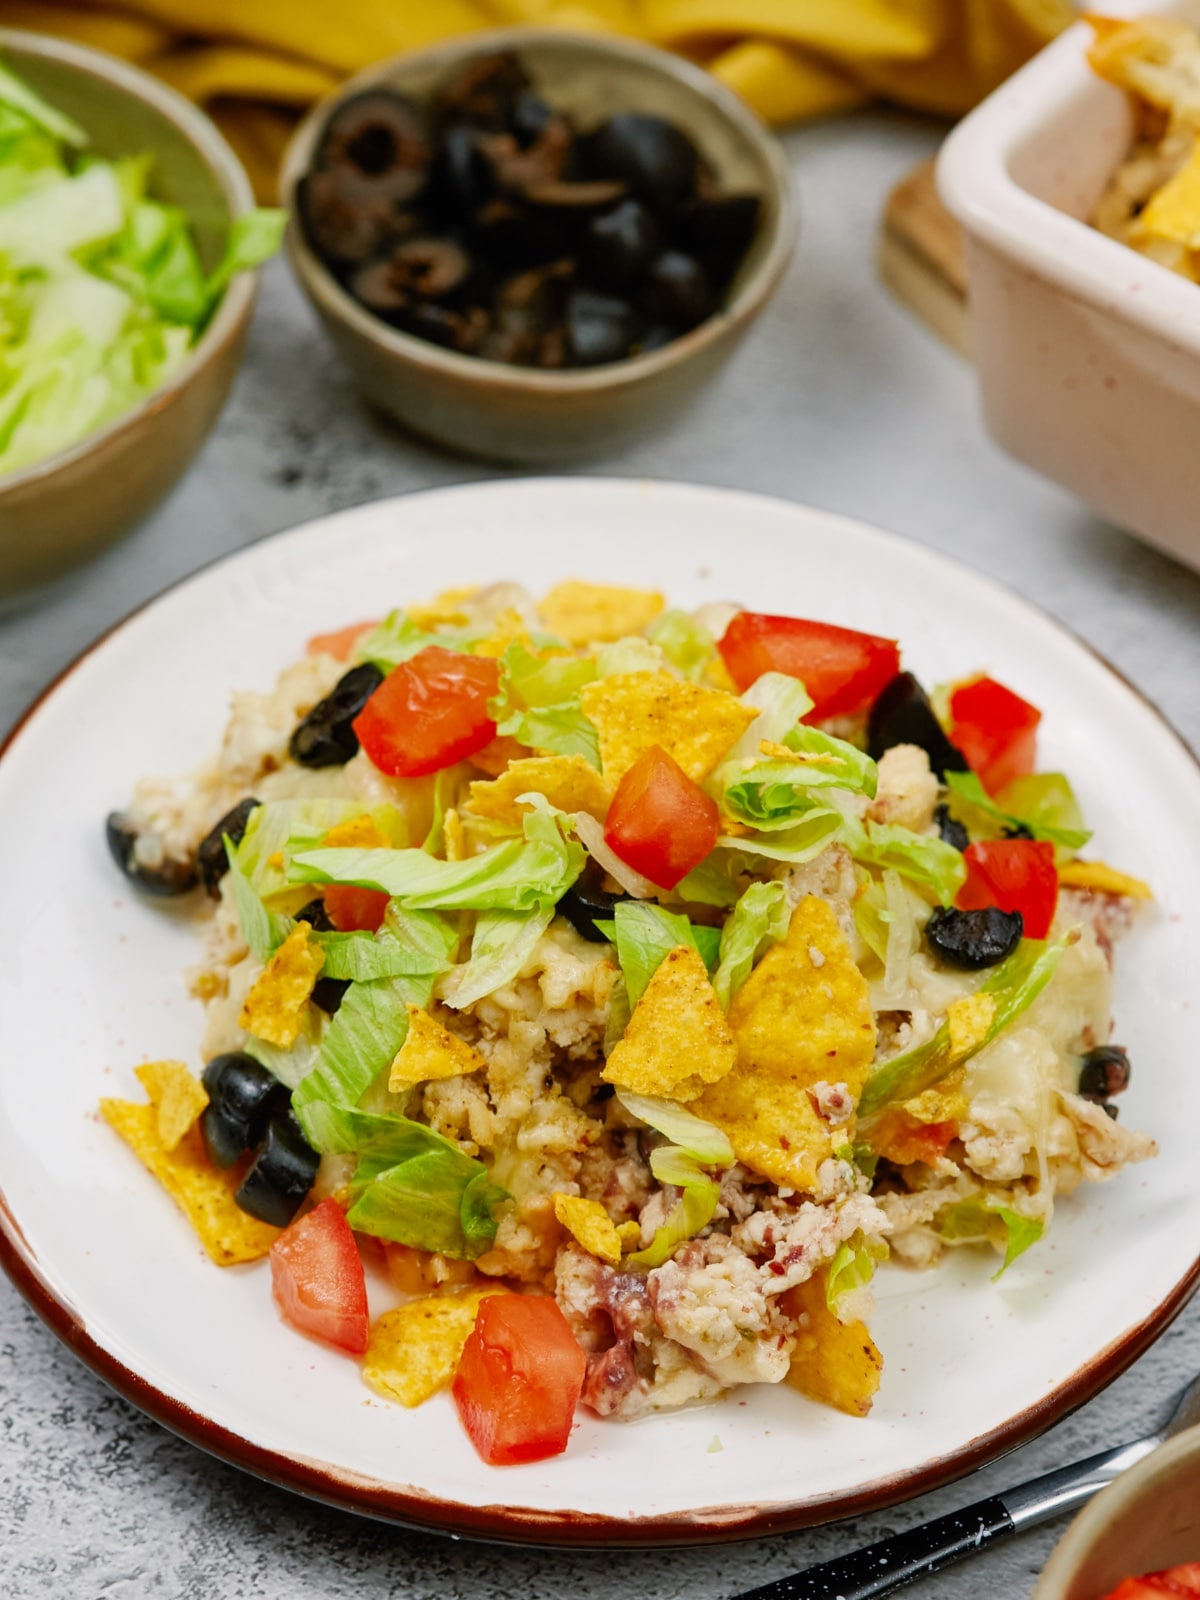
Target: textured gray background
837 399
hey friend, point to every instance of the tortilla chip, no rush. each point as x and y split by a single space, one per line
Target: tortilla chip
430 1051
414 1350
634 710
946 1102
630 1235
494 757
508 628
1103 879
797 1021
445 610
583 613
178 1097
590 1224
453 839
1173 212
677 1039
359 833
1157 58
274 1008
837 1364
968 1020
569 782
204 1195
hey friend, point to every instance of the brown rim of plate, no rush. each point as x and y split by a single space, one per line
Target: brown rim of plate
407 1506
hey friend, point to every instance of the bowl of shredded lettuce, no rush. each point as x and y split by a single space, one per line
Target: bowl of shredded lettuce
128 232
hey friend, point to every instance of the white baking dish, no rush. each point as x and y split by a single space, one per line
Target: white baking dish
1088 353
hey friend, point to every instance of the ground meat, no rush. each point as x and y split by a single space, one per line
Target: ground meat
830 876
908 790
790 1243
832 1102
717 1308
1104 1145
1110 916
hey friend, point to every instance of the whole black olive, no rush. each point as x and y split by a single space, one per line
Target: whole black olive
167 878
242 1097
619 245
210 853
902 714
284 1170
1104 1071
586 900
328 994
950 829
315 914
1018 830
529 118
462 176
719 230
677 290
484 93
382 139
600 328
509 237
974 939
326 737
656 159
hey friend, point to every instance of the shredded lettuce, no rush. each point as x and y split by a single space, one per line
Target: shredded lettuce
645 934
397 639
759 919
703 1141
801 842
696 1145
709 884
687 644
19 97
780 701
973 1220
538 703
278 829
850 1272
502 943
264 931
362 958
923 859
1044 803
633 654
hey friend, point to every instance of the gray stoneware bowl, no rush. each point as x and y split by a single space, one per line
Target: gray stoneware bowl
59 511
509 413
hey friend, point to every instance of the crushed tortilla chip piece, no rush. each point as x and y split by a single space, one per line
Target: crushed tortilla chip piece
445 610
634 710
630 1235
274 1007
430 1051
569 782
1173 212
968 1020
359 833
945 1102
1097 875
837 1364
453 837
1156 58
583 613
414 1350
590 1224
494 757
796 1023
677 1039
508 628
204 1195
177 1096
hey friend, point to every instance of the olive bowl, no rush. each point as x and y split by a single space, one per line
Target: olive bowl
511 413
59 511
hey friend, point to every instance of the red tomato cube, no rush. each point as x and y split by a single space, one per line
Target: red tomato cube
351 909
996 730
318 1280
1015 875
660 822
429 712
341 642
519 1379
843 670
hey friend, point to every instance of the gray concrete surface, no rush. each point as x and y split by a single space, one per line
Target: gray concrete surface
838 399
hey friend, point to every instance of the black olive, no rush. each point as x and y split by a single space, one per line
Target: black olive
315 914
328 994
436 324
382 139
974 939
210 854
242 1097
618 246
572 198
600 328
429 269
653 156
1018 830
902 714
719 229
326 738
678 290
950 829
586 900
284 1170
484 93
530 117
374 287
171 877
509 237
343 225
1104 1071
462 176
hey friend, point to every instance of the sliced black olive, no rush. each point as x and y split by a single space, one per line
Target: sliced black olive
210 854
462 176
284 1170
562 194
618 246
600 327
383 140
484 93
656 159
974 939
343 225
586 900
530 117
328 993
315 914
510 237
326 738
719 229
518 170
242 1097
169 878
453 330
1104 1071
902 714
429 269
374 287
678 290
950 829
1018 830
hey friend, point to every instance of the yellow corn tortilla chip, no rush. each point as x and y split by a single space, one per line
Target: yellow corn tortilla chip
204 1195
803 1015
582 612
837 1364
274 1007
1174 211
569 782
414 1350
359 833
946 1102
454 840
677 1039
1097 875
630 1235
430 1051
508 628
634 710
968 1020
590 1224
494 757
177 1096
444 610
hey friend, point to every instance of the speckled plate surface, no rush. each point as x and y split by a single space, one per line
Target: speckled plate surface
90 984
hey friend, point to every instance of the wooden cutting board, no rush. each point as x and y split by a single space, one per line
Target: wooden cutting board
921 257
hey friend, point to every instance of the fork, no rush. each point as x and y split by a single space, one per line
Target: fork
879 1569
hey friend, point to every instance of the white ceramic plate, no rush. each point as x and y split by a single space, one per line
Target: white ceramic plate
90 984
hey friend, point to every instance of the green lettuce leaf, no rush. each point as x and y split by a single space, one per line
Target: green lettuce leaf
804 840
686 643
645 934
852 1268
697 1145
263 930
971 1220
1044 803
759 920
780 701
538 703
922 859
502 943
398 639
18 96
704 1142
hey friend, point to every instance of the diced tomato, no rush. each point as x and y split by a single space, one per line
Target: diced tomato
842 670
1016 875
340 643
430 712
1173 1581
996 730
901 1138
317 1275
660 822
519 1379
350 908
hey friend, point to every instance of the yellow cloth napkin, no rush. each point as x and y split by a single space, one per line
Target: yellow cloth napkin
255 64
